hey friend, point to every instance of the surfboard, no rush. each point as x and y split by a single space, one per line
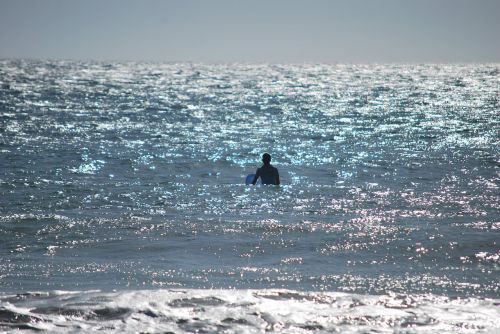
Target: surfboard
249 179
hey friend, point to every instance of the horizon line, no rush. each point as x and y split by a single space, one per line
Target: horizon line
248 62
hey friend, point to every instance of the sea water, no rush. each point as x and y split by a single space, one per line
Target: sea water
123 204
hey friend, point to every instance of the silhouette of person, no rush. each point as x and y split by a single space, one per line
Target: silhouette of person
267 173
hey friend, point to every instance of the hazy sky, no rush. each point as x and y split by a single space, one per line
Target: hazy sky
253 30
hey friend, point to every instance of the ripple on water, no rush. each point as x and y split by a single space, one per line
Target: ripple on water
130 175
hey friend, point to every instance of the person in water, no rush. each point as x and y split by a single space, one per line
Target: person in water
267 173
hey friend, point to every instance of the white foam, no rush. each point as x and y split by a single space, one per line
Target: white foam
247 311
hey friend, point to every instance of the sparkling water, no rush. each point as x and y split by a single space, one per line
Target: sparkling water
123 204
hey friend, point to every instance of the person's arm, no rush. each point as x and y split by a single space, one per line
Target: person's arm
277 178
255 178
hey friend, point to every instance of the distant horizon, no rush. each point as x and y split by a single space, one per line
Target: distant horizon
275 32
249 62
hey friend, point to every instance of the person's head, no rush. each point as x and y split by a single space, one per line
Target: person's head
266 158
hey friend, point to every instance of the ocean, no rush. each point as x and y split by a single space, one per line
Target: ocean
123 204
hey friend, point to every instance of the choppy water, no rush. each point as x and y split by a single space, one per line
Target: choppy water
130 177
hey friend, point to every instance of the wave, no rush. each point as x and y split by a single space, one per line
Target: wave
244 311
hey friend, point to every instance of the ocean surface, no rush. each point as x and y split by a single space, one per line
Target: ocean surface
123 204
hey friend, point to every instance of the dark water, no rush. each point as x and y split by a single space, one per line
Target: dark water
130 176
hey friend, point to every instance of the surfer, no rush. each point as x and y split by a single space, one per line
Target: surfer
267 173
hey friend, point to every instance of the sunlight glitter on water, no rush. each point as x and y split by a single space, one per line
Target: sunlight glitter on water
131 175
